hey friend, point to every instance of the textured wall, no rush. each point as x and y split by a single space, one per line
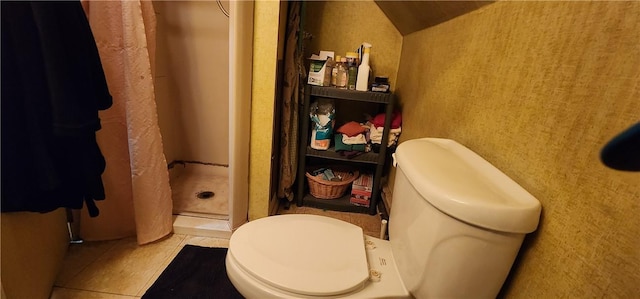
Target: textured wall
342 26
537 88
263 88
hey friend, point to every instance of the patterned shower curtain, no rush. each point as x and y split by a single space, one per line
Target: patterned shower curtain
136 179
290 98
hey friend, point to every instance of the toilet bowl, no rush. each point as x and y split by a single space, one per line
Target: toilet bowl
455 228
318 257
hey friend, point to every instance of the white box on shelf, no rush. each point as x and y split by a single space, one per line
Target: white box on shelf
319 71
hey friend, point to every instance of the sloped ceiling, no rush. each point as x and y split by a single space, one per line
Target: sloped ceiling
412 16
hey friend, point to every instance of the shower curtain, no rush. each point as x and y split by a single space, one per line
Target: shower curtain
290 101
136 179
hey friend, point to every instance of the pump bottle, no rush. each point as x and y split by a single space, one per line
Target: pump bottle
362 84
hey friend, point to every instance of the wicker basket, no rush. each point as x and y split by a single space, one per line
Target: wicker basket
323 189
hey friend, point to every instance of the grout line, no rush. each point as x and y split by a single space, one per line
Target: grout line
159 271
97 292
93 260
184 162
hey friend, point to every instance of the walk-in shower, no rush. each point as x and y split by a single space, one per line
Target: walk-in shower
201 108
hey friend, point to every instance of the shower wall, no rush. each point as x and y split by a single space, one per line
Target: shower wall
192 80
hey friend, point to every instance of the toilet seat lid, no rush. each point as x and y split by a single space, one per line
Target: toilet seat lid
304 254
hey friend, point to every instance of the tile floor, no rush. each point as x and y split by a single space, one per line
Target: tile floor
121 269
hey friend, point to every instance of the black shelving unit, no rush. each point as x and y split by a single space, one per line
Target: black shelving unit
370 159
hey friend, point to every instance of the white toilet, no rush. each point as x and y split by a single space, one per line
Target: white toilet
455 228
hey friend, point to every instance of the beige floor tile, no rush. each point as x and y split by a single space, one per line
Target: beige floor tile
172 240
63 293
333 214
159 271
205 242
126 268
293 209
367 222
375 234
80 256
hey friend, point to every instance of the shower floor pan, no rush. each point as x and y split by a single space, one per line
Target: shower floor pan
200 190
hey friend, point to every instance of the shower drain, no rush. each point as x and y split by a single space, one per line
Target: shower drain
205 194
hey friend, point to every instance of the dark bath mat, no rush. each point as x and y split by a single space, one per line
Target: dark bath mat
196 272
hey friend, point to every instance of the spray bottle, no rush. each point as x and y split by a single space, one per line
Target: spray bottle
362 84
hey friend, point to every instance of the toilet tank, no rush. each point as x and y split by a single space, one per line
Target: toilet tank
457 222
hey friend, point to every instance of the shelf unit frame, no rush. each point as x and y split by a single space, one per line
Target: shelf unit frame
303 198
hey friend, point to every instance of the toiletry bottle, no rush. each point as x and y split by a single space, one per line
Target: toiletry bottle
334 72
341 80
352 70
362 83
327 75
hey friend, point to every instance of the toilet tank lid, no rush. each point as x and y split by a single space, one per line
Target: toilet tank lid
462 184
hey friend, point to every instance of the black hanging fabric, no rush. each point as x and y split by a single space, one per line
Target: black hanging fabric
623 151
53 85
